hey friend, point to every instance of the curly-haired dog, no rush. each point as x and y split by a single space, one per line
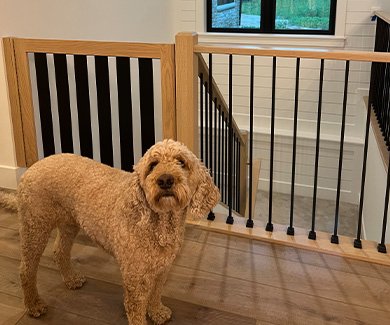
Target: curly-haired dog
137 217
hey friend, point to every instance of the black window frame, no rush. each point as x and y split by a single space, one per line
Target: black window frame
267 25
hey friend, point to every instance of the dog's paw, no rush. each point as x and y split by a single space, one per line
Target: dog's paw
37 309
75 282
160 315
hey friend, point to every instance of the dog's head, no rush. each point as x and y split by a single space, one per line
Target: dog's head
173 178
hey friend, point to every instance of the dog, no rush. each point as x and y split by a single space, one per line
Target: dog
137 217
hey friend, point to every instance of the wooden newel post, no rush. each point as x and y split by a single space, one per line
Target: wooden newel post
187 91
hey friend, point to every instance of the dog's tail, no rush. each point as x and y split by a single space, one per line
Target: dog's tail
8 200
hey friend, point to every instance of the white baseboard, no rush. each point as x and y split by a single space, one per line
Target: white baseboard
10 176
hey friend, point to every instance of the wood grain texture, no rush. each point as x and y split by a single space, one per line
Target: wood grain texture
134 50
13 91
383 15
187 91
216 279
26 104
257 50
168 91
300 240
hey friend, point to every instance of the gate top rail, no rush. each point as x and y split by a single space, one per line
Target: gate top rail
80 47
383 15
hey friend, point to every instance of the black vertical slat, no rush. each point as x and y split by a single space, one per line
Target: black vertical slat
290 229
335 238
357 242
312 233
269 226
382 246
226 158
148 137
219 146
45 113
237 172
125 108
206 124
83 105
201 115
210 139
63 99
230 219
215 140
104 110
234 173
249 222
223 170
239 175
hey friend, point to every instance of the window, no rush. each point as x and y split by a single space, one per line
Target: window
272 16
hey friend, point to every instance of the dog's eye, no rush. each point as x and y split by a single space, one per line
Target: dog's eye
152 165
182 163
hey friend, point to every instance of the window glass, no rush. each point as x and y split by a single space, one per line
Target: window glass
302 14
250 14
272 16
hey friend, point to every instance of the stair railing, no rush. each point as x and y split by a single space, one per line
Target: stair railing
187 51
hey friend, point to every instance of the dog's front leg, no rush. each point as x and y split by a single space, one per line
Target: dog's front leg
136 292
157 312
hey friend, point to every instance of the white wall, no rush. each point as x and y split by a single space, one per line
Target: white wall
117 20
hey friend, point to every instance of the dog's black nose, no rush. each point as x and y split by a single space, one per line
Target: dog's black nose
165 181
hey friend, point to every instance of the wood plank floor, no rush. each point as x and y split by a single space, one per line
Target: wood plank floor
216 279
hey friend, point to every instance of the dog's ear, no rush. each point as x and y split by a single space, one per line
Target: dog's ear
137 200
206 195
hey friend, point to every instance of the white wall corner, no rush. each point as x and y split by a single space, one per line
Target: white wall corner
10 176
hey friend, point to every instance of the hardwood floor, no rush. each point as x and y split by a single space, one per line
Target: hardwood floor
217 279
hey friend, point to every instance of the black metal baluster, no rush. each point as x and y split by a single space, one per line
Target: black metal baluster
223 169
234 173
290 229
335 238
226 159
382 246
312 233
219 147
230 219
249 222
201 116
238 175
206 129
210 139
357 242
215 141
211 215
270 226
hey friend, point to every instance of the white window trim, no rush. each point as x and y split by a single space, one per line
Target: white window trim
328 41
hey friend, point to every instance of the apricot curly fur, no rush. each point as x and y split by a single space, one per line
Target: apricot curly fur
137 217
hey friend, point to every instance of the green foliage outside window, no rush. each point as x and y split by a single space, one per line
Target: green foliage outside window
294 14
